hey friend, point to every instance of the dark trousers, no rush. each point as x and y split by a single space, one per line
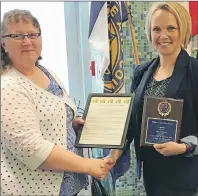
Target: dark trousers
153 188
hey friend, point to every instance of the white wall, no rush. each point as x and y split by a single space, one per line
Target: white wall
51 18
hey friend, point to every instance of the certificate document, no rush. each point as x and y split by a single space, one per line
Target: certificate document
107 117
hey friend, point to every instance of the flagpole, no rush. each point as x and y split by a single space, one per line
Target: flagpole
132 33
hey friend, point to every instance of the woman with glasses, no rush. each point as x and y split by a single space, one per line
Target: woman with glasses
38 118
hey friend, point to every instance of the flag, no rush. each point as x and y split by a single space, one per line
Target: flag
105 34
114 74
193 10
98 33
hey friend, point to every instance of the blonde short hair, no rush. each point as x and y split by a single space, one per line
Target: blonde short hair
182 16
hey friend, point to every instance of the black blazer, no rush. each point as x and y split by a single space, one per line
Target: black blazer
183 85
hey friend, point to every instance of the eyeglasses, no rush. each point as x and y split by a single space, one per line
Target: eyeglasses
22 36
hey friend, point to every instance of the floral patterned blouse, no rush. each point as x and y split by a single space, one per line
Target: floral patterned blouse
72 183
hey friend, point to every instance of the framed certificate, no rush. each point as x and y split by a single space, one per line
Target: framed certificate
107 118
161 120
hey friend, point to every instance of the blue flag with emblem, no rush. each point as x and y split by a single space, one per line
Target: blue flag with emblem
105 34
114 74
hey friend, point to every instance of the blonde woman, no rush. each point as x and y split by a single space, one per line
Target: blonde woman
169 169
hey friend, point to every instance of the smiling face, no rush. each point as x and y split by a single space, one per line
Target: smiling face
165 37
25 51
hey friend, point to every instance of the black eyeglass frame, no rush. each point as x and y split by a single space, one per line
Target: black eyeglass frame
22 36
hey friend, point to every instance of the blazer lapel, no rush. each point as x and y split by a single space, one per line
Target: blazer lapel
178 74
146 77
